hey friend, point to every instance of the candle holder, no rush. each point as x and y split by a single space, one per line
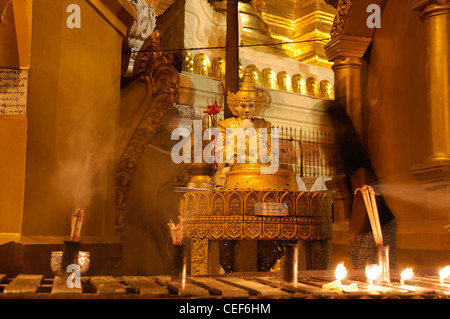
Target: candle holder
383 262
70 256
290 266
179 264
83 261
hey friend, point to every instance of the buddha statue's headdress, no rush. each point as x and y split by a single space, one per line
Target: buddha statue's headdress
247 93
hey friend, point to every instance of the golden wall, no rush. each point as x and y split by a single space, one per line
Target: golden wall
62 152
73 96
15 39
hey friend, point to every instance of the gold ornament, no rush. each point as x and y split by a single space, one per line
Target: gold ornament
247 93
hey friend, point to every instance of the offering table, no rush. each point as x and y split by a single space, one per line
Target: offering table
224 214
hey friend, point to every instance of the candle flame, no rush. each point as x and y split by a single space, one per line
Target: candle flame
372 271
407 273
445 272
340 272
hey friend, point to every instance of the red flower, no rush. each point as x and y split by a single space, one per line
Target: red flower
213 109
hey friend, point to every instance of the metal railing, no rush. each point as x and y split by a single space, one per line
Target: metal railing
310 152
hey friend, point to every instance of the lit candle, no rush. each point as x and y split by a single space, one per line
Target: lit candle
444 273
340 273
372 272
406 274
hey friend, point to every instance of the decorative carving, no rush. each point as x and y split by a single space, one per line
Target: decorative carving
218 203
199 257
234 207
234 227
229 218
302 205
250 200
288 199
218 228
253 227
141 29
155 69
271 228
341 18
304 231
203 205
232 218
202 229
288 228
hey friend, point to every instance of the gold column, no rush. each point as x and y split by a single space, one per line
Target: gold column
436 19
346 52
434 173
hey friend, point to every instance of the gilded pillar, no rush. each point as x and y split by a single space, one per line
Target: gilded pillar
434 173
346 52
435 15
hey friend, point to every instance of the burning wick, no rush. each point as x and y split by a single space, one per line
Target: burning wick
176 231
406 274
444 273
340 273
372 272
77 222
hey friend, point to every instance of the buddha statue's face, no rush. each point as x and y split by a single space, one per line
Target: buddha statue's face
245 110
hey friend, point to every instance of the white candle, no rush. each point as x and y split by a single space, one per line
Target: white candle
372 273
340 273
406 274
444 273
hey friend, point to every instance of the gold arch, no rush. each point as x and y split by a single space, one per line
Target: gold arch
155 69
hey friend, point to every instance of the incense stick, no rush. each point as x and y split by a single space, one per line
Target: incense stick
376 216
372 211
176 231
77 222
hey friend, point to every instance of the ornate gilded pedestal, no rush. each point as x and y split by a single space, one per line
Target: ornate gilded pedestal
226 214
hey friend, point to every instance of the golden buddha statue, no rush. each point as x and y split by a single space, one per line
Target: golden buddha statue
269 79
202 66
313 87
188 61
250 139
299 84
255 74
327 90
218 68
284 81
